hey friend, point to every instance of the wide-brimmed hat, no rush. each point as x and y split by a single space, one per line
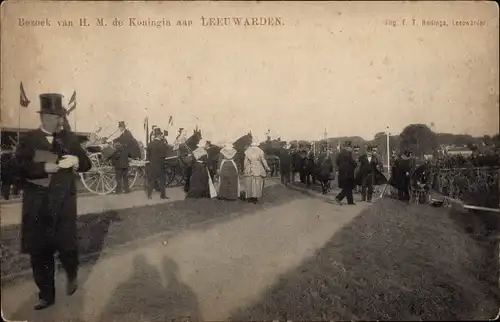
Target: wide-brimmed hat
51 103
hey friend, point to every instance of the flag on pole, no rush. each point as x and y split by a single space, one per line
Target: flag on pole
170 120
23 99
72 103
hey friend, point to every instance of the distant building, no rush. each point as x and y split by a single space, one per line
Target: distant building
453 150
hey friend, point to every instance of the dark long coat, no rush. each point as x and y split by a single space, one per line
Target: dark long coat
48 213
326 170
346 166
157 151
368 168
198 180
400 177
129 146
285 161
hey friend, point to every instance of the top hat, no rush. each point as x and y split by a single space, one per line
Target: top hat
121 123
51 103
157 131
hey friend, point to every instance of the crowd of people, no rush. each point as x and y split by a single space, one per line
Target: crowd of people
46 160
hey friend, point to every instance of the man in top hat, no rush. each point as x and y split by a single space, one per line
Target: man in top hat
152 133
369 173
125 147
156 172
47 159
401 176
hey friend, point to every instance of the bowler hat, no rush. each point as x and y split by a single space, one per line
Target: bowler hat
51 103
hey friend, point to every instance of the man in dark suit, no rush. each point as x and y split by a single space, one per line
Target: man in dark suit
156 172
369 174
7 174
346 166
125 147
285 164
47 159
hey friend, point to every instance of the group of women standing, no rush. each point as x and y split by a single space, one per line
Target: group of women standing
227 186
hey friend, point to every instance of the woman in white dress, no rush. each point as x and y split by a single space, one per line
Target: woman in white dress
254 171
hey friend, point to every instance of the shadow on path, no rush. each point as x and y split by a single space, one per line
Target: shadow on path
144 297
92 231
392 262
115 228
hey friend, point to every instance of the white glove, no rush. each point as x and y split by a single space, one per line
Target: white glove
68 161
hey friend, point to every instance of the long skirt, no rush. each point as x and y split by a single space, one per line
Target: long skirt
229 181
199 186
254 186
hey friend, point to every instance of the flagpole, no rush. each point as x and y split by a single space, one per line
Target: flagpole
18 123
75 121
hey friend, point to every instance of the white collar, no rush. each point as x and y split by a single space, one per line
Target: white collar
45 131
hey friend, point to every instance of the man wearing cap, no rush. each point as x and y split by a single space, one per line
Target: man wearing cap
47 159
156 154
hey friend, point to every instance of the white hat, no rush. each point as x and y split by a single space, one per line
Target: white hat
255 140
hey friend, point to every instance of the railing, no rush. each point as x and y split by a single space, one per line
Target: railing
477 186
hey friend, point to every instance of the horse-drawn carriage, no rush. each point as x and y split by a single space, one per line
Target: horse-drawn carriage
100 179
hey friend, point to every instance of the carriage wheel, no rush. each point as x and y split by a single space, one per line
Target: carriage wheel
175 176
100 178
132 176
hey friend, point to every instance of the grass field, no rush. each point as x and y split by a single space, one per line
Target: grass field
392 262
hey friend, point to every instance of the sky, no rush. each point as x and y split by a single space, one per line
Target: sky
334 66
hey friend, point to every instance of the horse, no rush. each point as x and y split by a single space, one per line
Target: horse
322 170
185 151
240 145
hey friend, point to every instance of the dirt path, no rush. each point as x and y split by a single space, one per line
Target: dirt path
199 273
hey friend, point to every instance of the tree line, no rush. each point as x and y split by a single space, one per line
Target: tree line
418 137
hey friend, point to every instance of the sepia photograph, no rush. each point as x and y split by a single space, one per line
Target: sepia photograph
249 161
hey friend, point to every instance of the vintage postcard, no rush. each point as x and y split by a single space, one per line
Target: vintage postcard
250 160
